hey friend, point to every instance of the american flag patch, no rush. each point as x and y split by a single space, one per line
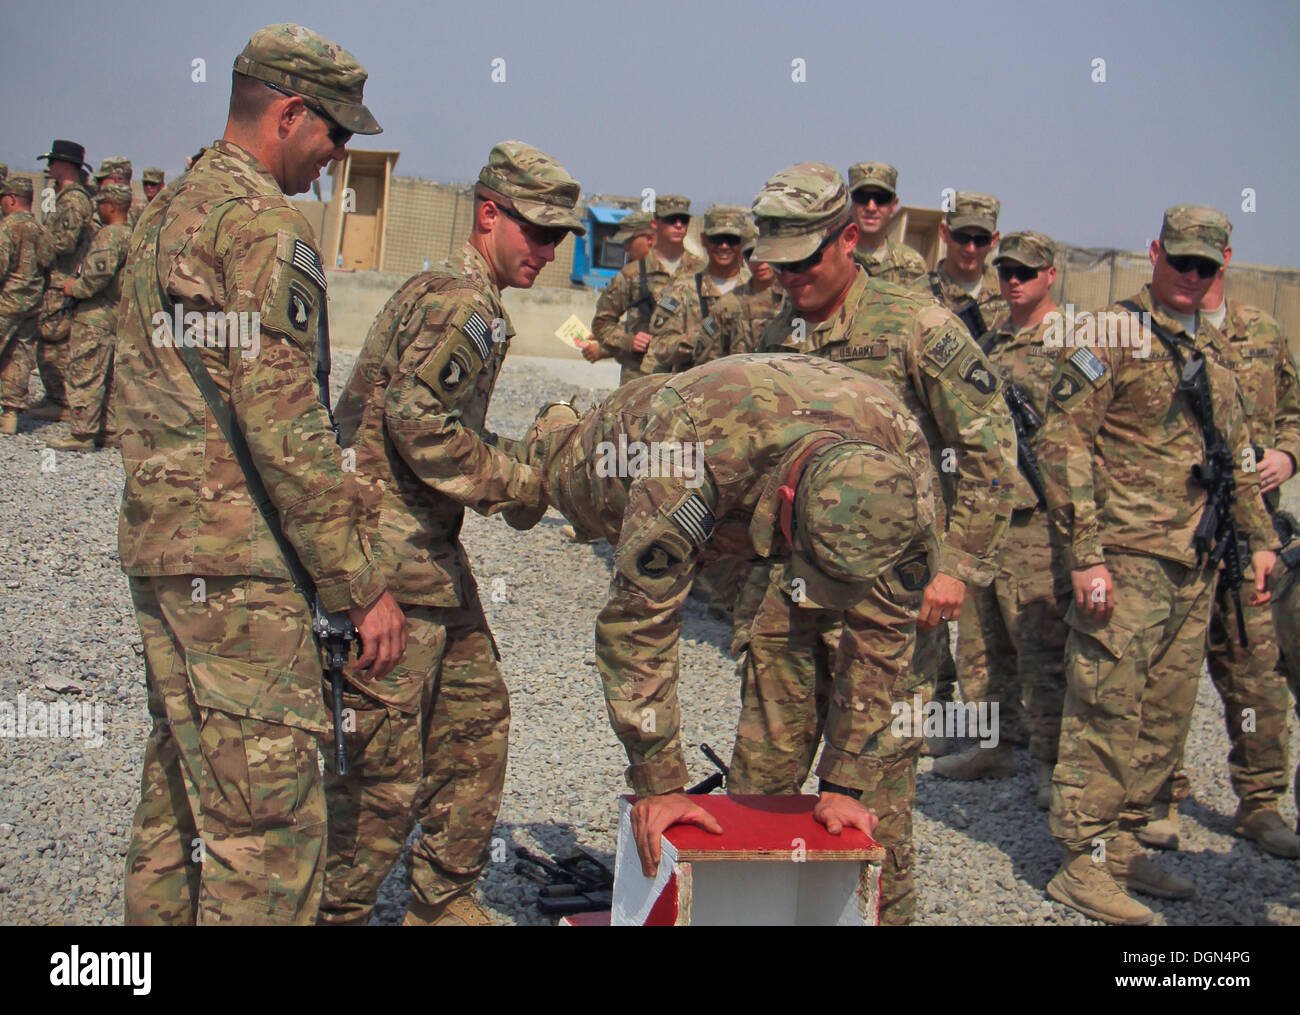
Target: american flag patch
695 519
307 261
1088 363
477 330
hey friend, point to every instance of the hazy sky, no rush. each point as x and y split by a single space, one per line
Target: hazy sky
1200 101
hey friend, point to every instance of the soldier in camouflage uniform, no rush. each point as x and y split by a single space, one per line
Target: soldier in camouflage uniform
818 471
636 232
97 291
1286 621
632 294
760 299
25 253
1142 598
685 318
430 743
70 227
874 186
928 361
231 821
152 181
117 170
1013 632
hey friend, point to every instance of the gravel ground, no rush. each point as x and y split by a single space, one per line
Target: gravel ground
984 853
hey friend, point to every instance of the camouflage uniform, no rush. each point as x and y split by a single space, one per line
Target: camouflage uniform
431 739
1118 448
1286 622
664 526
71 229
231 821
24 245
97 290
149 176
891 261
116 170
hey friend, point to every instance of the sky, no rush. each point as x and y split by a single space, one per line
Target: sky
1198 104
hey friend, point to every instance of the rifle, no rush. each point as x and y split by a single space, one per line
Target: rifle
969 312
645 301
714 781
1026 419
1284 524
576 884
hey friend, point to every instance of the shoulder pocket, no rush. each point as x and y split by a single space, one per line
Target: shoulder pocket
297 299
451 366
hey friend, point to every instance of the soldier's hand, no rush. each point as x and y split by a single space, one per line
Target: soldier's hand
67 288
838 812
641 342
591 351
382 628
943 598
1093 592
651 815
1275 469
1263 561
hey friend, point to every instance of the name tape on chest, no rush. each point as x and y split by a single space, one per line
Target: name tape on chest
477 331
307 261
695 519
1088 364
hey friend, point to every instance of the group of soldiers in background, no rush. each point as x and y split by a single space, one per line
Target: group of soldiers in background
60 282
846 475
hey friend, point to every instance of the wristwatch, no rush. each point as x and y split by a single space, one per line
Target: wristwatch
829 787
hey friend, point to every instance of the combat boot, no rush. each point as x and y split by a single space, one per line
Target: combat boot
460 911
1131 867
937 747
1087 886
45 409
71 442
978 763
8 422
1162 832
1265 827
1043 795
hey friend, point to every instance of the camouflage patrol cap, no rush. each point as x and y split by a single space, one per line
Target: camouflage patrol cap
115 193
541 189
873 174
299 60
1033 250
857 510
726 220
1196 229
114 167
18 186
152 176
972 209
671 204
798 208
635 224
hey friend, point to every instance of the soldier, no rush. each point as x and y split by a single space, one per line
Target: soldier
636 233
70 227
685 317
4 172
117 170
1013 632
874 186
636 289
97 290
839 500
1286 621
26 252
920 352
234 675
760 299
1142 590
431 741
152 181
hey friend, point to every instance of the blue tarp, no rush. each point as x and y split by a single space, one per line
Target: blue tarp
609 215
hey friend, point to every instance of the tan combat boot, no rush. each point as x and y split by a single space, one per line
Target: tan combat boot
1086 885
1131 867
45 409
72 442
937 747
8 422
1162 831
1265 827
978 763
1043 795
461 911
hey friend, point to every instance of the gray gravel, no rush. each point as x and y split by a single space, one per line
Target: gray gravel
984 853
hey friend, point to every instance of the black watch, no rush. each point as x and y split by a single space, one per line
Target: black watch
829 787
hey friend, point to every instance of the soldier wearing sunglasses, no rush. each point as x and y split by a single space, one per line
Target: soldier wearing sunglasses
874 186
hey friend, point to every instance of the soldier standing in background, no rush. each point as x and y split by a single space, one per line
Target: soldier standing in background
70 227
117 170
97 290
431 741
636 233
874 186
26 253
152 181
230 827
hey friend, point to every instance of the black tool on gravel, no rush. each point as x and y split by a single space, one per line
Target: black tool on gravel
717 780
576 884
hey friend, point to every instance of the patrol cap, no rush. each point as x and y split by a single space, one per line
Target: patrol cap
856 511
798 208
299 60
18 186
635 224
541 189
67 151
671 204
970 209
1033 250
727 220
114 167
873 174
152 176
1196 229
115 193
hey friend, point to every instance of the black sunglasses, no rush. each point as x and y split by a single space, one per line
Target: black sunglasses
724 240
1183 263
813 259
676 220
879 197
964 239
1019 272
338 134
543 236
